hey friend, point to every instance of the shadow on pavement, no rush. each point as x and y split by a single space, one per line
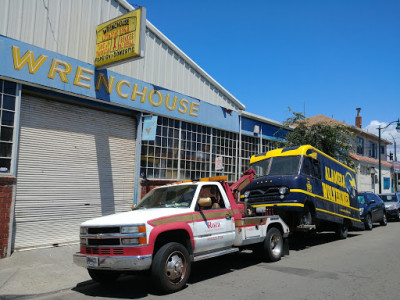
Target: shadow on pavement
300 241
139 285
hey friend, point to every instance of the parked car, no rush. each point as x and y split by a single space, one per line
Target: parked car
372 209
392 205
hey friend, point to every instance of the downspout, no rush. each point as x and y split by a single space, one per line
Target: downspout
138 157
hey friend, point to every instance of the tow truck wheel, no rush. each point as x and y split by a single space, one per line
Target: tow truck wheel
171 267
272 248
103 276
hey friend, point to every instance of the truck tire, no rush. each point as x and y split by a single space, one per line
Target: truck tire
171 267
368 222
103 276
342 230
272 246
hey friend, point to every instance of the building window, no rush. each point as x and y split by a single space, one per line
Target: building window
195 153
8 96
184 150
372 150
225 145
360 145
250 147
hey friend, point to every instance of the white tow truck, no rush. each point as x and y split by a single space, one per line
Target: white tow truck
175 225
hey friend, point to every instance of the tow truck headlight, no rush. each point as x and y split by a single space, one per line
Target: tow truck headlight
133 229
246 194
83 241
130 241
83 230
361 210
130 229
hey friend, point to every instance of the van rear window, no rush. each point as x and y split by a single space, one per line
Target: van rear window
280 165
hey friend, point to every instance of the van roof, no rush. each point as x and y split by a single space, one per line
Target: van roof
306 150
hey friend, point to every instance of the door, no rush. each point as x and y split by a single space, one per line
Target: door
74 164
214 226
375 207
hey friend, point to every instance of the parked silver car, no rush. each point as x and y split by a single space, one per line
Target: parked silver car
392 205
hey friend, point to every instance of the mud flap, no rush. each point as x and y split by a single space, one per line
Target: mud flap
285 247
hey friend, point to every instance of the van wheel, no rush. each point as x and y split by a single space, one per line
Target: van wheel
342 230
272 248
306 218
368 222
383 222
103 276
171 267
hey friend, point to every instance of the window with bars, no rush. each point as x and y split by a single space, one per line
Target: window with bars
250 146
8 96
225 145
195 151
184 150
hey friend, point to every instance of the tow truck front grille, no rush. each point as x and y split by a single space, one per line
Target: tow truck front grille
105 242
103 251
97 230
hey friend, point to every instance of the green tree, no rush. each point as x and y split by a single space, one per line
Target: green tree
333 139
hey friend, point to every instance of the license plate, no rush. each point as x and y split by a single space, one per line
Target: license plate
92 261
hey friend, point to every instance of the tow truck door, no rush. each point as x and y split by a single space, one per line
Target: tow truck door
214 226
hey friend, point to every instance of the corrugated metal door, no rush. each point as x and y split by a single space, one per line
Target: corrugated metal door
74 164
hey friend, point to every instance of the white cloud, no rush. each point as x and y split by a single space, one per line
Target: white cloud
390 134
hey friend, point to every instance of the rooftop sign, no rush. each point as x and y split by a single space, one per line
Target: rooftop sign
121 39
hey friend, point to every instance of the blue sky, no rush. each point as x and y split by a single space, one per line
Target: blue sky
319 56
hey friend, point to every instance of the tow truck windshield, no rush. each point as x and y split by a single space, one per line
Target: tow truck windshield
279 165
169 196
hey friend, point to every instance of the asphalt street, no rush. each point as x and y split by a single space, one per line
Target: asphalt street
364 266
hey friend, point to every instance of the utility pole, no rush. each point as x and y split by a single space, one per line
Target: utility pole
395 159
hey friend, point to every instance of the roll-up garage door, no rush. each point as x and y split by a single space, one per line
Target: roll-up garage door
74 164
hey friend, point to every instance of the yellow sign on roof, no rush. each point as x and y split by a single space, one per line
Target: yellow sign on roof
121 39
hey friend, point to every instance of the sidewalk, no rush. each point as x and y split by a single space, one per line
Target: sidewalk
39 271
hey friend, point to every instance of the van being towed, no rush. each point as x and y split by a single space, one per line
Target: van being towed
307 188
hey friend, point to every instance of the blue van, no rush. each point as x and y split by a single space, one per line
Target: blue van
309 189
